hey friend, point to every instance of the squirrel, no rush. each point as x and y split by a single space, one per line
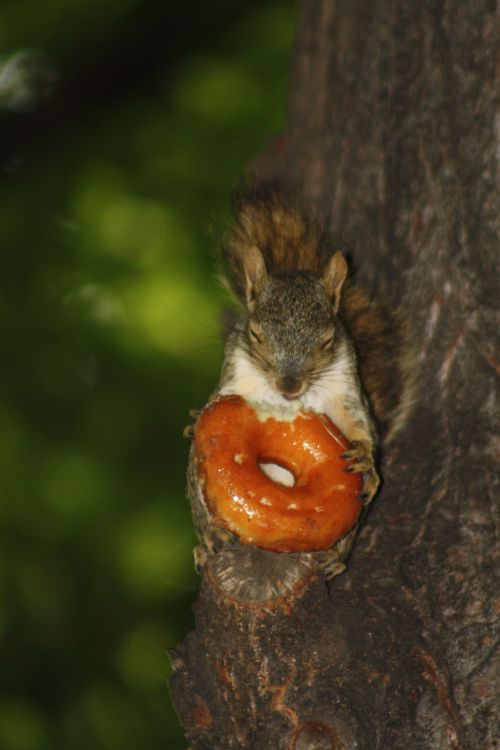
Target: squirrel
308 335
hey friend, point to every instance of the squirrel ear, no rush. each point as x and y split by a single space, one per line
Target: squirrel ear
334 277
255 275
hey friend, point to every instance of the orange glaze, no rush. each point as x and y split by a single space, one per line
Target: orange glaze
321 507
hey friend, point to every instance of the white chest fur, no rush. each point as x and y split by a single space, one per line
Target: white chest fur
327 395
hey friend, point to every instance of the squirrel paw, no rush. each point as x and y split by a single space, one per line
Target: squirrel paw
371 482
360 457
332 562
200 558
331 566
211 544
216 538
362 462
188 431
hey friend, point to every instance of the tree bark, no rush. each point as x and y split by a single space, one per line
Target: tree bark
393 137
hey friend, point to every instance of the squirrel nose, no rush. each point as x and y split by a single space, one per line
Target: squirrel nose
289 386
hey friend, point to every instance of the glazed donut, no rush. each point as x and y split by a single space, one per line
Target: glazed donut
234 442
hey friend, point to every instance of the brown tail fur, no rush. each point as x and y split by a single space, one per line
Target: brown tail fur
386 356
265 219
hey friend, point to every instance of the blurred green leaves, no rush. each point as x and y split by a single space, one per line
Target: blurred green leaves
219 95
153 551
109 328
22 726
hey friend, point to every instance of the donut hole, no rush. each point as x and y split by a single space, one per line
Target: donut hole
277 473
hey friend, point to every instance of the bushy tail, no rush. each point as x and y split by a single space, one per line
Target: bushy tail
387 357
265 219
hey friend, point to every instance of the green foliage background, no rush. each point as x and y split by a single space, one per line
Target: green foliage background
109 327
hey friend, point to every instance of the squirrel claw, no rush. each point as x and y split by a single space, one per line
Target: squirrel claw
200 558
371 482
216 539
332 561
360 457
332 567
188 432
361 462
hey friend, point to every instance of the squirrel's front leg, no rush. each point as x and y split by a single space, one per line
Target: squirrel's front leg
361 459
348 409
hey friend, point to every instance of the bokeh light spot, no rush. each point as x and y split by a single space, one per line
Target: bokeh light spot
21 726
154 553
141 657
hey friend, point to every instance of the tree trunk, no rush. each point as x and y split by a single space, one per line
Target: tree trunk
393 137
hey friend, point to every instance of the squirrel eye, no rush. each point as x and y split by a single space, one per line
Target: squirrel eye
327 342
254 335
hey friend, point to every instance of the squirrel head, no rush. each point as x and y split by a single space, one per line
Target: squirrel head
291 326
